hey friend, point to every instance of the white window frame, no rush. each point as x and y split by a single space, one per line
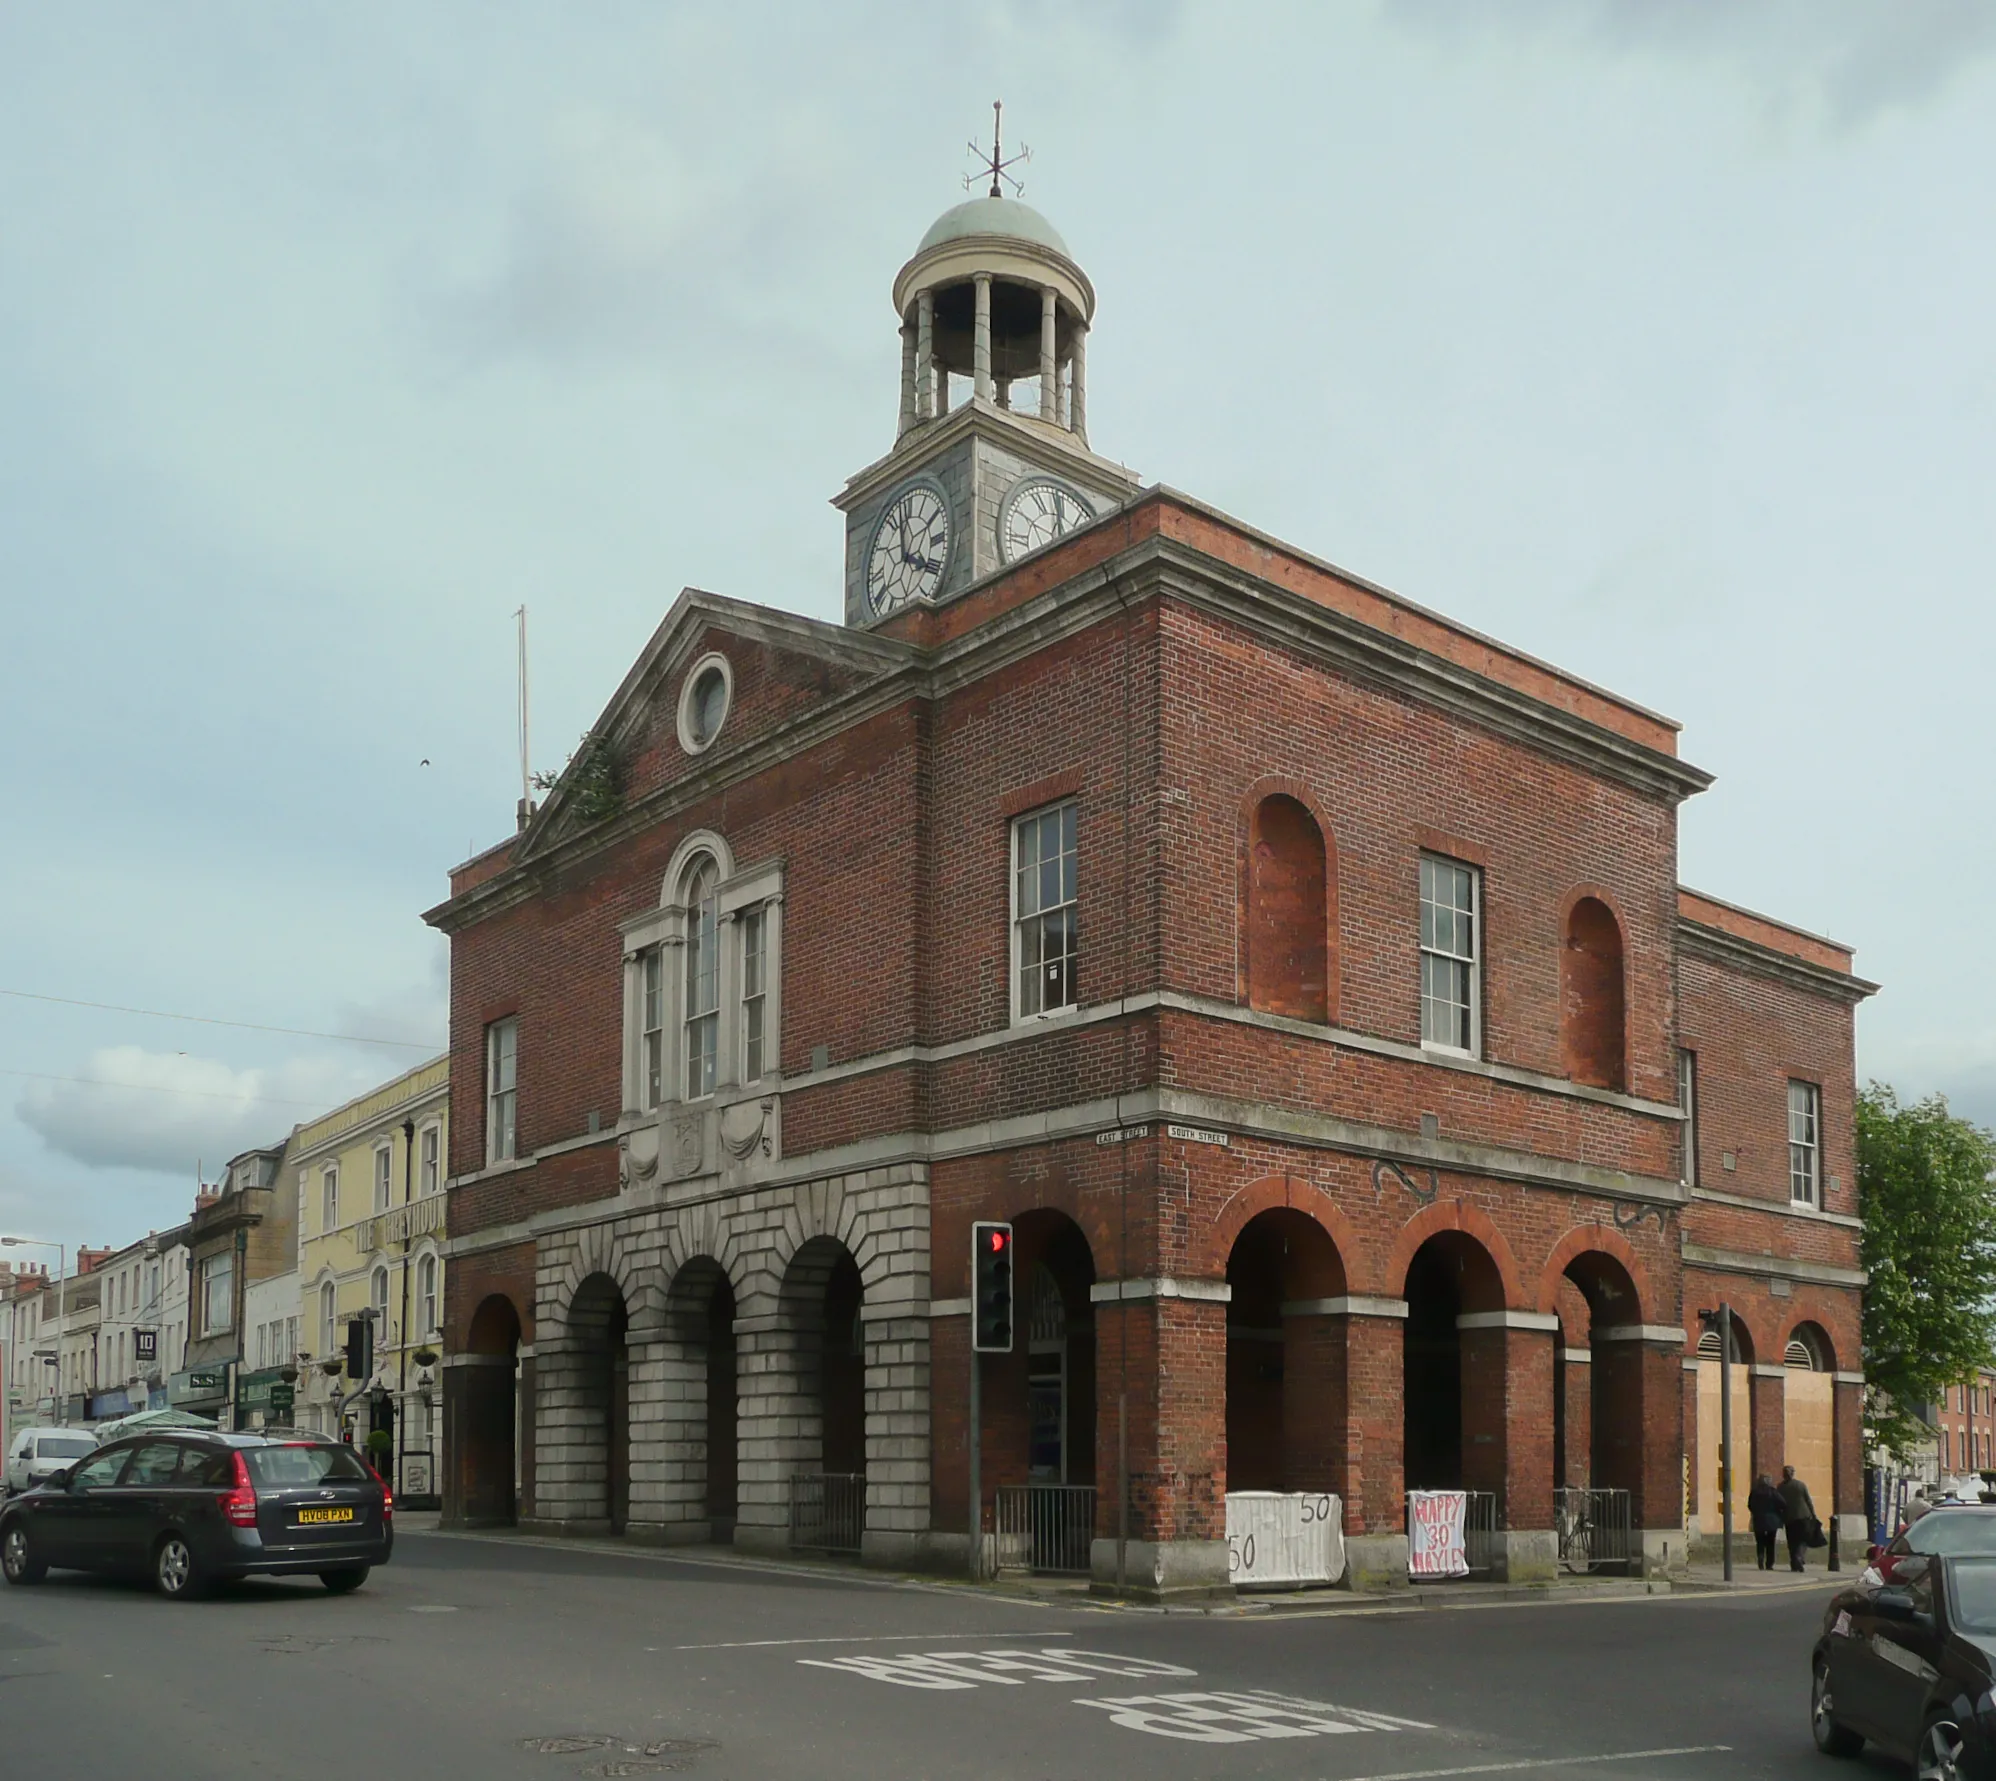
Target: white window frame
652 999
429 1300
701 1066
1687 1103
1472 959
664 929
1805 1143
329 1319
502 1102
210 1273
329 1197
380 1296
1022 1014
752 931
384 1177
430 1157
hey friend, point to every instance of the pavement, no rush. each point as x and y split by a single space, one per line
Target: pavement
499 1657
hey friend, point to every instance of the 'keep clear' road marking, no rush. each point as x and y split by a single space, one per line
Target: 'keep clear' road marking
1241 1716
1195 1717
1009 1668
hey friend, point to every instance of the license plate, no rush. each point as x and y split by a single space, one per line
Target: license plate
308 1517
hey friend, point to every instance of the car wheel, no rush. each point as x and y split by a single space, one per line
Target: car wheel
175 1570
18 1559
346 1579
1940 1751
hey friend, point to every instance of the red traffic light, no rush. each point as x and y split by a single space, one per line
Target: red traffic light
999 1240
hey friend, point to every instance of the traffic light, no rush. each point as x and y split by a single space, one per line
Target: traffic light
991 1288
360 1348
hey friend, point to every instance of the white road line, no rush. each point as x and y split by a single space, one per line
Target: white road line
1546 1762
872 1639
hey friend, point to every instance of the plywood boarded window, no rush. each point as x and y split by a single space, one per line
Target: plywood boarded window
1591 996
1289 955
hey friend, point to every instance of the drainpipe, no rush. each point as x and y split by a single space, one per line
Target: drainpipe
402 1362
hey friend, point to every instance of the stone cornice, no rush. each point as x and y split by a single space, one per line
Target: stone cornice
1721 948
1771 1267
1153 567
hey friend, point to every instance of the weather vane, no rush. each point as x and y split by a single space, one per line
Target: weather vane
997 164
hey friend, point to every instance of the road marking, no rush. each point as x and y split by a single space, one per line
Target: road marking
1547 1762
866 1639
1004 1668
1242 1716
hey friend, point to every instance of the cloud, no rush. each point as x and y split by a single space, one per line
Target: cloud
129 1108
1848 60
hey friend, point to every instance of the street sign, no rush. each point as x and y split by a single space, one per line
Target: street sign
282 1397
145 1344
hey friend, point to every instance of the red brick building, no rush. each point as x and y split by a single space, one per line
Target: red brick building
1304 976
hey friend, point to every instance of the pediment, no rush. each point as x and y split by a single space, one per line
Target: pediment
782 668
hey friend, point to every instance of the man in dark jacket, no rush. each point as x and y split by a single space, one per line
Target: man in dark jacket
1766 1514
1798 1513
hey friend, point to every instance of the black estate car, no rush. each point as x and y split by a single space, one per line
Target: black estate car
1909 1664
191 1509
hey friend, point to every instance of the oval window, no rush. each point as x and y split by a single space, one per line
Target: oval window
703 707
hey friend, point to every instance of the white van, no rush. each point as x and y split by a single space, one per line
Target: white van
41 1453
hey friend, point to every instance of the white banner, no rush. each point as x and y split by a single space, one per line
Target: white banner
1434 1533
1284 1537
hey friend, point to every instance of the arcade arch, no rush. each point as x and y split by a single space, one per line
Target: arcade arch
1286 1377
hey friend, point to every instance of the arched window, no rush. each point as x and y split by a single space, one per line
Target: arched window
1591 997
378 1297
703 978
329 1335
426 1295
1288 912
1798 1356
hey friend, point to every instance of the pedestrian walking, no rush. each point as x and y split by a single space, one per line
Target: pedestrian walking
1916 1506
1766 1514
1798 1515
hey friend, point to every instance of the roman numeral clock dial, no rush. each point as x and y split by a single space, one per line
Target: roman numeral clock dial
1038 511
910 550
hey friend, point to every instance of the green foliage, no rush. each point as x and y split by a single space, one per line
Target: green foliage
379 1441
595 778
1929 1211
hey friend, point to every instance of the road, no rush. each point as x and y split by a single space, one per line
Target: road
501 1659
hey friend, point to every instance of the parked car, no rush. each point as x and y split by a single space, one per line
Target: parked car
192 1509
1907 1665
1946 1530
40 1453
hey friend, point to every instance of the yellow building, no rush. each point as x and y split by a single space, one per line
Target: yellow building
370 1181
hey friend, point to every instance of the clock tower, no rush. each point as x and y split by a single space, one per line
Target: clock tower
991 459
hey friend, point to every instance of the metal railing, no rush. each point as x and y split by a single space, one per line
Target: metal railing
1047 1528
1595 1527
827 1511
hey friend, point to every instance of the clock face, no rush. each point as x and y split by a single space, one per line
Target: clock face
1038 511
910 550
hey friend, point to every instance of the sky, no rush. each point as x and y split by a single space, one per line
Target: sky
1651 339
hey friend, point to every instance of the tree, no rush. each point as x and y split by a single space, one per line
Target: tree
1929 1206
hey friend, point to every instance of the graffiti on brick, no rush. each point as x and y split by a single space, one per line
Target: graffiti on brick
1385 1166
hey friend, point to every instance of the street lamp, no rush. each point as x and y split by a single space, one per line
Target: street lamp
61 1310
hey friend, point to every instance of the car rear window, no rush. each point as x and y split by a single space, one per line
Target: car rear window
1951 1531
205 1465
64 1447
286 1468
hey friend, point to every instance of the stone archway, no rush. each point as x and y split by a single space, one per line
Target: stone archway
585 1413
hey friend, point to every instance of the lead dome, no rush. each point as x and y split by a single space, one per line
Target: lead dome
993 297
